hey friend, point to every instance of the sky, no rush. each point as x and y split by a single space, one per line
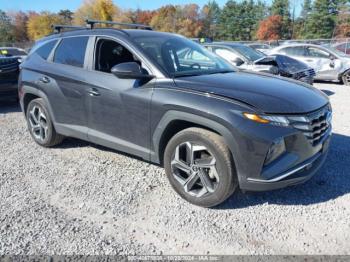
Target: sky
56 5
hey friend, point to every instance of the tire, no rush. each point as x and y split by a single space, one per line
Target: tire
40 124
211 159
346 78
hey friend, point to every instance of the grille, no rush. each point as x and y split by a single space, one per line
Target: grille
315 126
8 64
307 73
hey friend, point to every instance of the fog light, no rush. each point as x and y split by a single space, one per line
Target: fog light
277 149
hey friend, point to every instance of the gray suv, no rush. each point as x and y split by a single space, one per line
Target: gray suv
212 128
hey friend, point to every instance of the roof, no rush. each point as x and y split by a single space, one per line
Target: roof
225 44
107 31
296 44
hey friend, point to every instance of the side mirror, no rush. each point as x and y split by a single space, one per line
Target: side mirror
237 61
129 70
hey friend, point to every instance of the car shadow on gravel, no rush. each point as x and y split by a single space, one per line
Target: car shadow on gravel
331 182
9 107
69 143
327 92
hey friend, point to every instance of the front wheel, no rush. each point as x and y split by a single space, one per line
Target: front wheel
346 78
199 167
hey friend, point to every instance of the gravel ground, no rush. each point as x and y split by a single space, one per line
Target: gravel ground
80 198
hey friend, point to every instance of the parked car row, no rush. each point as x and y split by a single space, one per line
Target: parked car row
247 58
329 63
10 59
303 62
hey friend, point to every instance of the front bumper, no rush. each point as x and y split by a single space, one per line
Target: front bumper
294 176
306 141
8 90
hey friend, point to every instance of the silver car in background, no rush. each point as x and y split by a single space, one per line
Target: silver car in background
329 63
247 58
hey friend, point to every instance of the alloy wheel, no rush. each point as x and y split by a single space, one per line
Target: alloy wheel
346 78
38 123
194 167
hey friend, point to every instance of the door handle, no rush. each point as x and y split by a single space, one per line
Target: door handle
94 92
309 60
44 80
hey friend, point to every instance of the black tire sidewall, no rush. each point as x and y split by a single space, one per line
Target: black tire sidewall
345 82
40 103
224 169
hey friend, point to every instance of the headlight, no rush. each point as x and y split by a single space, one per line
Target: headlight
267 119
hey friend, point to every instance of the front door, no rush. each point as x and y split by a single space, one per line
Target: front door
325 65
119 115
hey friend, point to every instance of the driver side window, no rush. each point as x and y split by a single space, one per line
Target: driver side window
109 53
318 53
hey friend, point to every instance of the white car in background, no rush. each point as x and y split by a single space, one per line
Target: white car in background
329 63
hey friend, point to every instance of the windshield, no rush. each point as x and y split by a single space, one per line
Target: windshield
12 52
248 52
179 56
334 50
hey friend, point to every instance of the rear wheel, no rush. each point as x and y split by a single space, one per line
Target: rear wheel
40 124
199 167
346 78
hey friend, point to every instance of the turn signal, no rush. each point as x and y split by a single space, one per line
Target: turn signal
256 118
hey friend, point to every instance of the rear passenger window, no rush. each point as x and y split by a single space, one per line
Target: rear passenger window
295 50
71 51
45 50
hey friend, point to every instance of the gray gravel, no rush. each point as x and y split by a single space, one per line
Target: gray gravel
79 198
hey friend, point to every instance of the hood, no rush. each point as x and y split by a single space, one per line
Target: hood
284 63
267 93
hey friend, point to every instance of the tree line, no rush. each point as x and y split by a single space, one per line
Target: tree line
243 20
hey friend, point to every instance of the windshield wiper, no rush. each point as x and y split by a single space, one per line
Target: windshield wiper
223 72
203 73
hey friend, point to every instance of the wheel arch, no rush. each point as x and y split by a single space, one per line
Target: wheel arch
347 71
31 93
174 121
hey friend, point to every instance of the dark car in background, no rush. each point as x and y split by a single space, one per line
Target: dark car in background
212 128
247 58
264 48
10 59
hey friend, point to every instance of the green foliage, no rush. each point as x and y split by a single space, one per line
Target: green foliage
210 15
306 9
240 20
6 28
322 19
282 8
237 20
67 16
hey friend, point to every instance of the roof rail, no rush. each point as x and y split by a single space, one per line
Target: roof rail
58 28
91 23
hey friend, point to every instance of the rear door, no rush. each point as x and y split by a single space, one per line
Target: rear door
66 85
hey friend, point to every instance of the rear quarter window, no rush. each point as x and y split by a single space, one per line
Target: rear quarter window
71 51
294 51
45 50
